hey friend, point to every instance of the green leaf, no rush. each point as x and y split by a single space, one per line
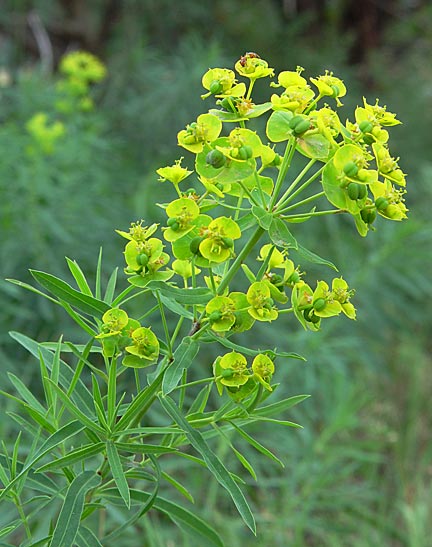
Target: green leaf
139 448
314 146
83 302
263 217
70 515
258 446
86 538
183 358
117 472
278 129
281 236
73 457
78 413
308 255
26 394
79 277
186 520
67 431
214 464
280 406
140 404
182 489
191 296
110 288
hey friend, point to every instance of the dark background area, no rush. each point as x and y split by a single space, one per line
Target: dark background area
359 473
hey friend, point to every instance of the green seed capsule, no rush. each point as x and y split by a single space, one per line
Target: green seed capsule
381 203
142 259
368 139
227 242
301 127
215 316
171 221
215 87
353 190
350 169
227 372
294 277
362 191
294 121
336 90
216 159
319 304
368 215
194 245
229 104
275 279
365 126
245 152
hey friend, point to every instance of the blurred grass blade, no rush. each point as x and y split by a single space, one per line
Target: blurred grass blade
63 291
118 473
214 464
70 515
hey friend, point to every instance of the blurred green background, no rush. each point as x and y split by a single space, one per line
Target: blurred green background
359 473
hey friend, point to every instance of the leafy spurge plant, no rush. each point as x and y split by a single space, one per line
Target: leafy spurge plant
99 446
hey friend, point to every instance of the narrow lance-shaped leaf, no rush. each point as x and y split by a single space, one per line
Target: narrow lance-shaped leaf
183 357
214 464
118 473
70 515
83 302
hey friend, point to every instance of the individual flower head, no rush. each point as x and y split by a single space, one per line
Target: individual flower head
388 166
222 83
389 201
207 128
144 349
369 124
83 66
220 311
116 330
342 294
263 369
301 299
232 369
323 301
243 320
260 301
181 214
218 243
45 133
145 257
138 232
174 173
330 86
290 78
184 268
241 145
251 66
328 123
276 258
380 115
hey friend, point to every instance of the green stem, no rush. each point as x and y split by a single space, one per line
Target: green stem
263 200
303 202
249 92
296 181
299 190
316 214
240 258
177 330
195 383
164 323
286 162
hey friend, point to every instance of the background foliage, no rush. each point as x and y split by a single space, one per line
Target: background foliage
359 473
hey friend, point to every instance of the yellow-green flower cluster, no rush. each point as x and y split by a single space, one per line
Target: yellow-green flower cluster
44 133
